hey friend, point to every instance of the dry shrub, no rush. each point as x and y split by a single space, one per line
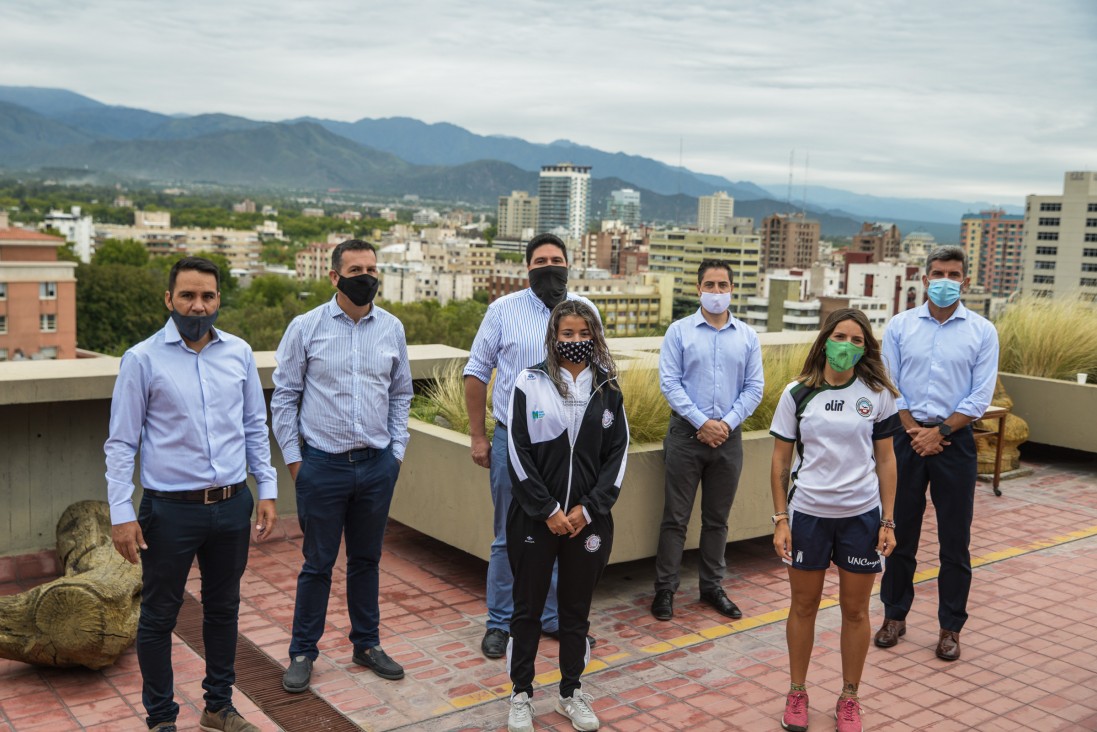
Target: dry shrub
1051 338
645 407
446 397
781 364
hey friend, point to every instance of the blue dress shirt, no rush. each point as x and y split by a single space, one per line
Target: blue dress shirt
342 385
511 338
200 419
706 373
942 368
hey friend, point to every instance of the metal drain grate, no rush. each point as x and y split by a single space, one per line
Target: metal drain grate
260 677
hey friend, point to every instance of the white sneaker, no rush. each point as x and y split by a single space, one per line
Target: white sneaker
579 710
521 714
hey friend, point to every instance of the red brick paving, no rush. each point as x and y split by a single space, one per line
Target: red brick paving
1029 650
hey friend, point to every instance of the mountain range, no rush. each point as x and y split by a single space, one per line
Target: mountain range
59 129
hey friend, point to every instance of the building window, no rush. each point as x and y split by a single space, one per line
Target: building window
1049 221
1049 251
1051 207
1091 222
3 354
1088 282
1089 252
47 323
1089 266
1043 279
1042 264
3 324
1047 235
1091 207
47 352
47 290
3 290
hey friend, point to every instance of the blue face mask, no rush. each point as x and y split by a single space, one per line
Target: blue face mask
943 292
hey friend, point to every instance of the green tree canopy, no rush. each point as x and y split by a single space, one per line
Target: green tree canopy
125 251
117 306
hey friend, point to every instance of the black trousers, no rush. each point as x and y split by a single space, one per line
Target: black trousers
176 532
951 477
532 550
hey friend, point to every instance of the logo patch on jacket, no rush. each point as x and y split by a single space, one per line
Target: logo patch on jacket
593 543
607 419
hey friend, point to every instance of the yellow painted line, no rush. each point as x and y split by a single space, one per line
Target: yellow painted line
754 621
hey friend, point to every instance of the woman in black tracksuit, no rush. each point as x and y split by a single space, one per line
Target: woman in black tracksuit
567 452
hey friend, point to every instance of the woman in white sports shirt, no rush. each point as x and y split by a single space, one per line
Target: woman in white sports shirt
833 482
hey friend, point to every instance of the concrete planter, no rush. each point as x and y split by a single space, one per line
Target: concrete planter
444 495
1057 412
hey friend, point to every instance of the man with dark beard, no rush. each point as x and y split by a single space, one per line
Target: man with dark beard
342 392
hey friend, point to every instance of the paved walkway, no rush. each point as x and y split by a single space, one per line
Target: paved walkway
1029 649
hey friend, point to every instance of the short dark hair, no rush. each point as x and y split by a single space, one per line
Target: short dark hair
198 264
350 245
707 264
542 239
947 254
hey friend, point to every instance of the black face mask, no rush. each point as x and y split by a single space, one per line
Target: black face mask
360 290
193 328
576 351
550 284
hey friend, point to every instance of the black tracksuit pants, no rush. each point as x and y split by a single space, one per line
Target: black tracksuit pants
532 550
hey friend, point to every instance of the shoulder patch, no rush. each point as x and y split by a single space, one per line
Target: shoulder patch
530 376
607 419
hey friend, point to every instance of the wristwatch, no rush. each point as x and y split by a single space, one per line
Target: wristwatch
945 429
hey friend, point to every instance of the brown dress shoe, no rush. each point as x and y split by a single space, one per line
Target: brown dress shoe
948 648
890 633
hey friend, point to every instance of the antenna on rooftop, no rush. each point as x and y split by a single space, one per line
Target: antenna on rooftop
678 196
804 200
788 194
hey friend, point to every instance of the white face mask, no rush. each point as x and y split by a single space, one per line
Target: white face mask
715 302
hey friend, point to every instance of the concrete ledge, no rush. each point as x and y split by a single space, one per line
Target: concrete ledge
443 494
1057 412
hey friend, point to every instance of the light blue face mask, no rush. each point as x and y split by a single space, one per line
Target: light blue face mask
943 292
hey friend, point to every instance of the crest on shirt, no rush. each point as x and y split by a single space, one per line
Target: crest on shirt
607 419
593 543
864 407
538 414
530 376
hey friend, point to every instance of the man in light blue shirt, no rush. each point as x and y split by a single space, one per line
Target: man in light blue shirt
710 371
189 398
342 392
944 360
511 338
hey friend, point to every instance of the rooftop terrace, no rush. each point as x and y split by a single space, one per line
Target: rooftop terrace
1029 650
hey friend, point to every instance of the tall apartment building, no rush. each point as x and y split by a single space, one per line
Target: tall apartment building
604 249
680 253
879 239
314 261
1060 234
786 304
993 242
715 212
37 296
517 215
789 241
624 205
77 229
564 199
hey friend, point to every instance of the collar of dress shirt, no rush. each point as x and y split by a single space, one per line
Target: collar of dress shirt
699 319
334 311
961 312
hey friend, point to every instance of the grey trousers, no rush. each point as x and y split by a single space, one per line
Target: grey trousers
689 462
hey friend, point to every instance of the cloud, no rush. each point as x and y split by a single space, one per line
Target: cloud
932 98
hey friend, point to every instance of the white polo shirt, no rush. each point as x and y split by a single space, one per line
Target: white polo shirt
834 471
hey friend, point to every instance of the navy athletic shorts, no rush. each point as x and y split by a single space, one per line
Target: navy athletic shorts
848 542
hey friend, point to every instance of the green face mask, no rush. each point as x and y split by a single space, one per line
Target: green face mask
843 355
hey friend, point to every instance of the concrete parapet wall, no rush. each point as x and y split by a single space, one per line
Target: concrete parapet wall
1058 412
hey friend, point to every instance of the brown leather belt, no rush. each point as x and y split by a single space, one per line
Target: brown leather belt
202 495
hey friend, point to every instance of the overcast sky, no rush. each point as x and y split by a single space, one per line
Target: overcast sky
977 100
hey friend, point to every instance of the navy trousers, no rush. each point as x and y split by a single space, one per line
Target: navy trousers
951 477
176 532
341 495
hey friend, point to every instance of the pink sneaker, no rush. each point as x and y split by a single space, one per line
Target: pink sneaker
796 712
848 714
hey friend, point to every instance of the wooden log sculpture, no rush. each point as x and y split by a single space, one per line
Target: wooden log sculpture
88 616
1016 432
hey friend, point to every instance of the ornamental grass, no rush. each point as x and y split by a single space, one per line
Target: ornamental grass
781 364
645 407
1050 338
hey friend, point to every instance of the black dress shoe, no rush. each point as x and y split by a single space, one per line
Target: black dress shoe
379 662
296 678
555 635
494 644
662 607
719 600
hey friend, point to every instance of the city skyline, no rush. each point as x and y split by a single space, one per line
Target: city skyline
933 100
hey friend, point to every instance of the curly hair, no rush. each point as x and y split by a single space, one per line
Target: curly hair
601 356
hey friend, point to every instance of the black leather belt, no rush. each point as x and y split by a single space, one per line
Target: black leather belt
929 424
202 495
